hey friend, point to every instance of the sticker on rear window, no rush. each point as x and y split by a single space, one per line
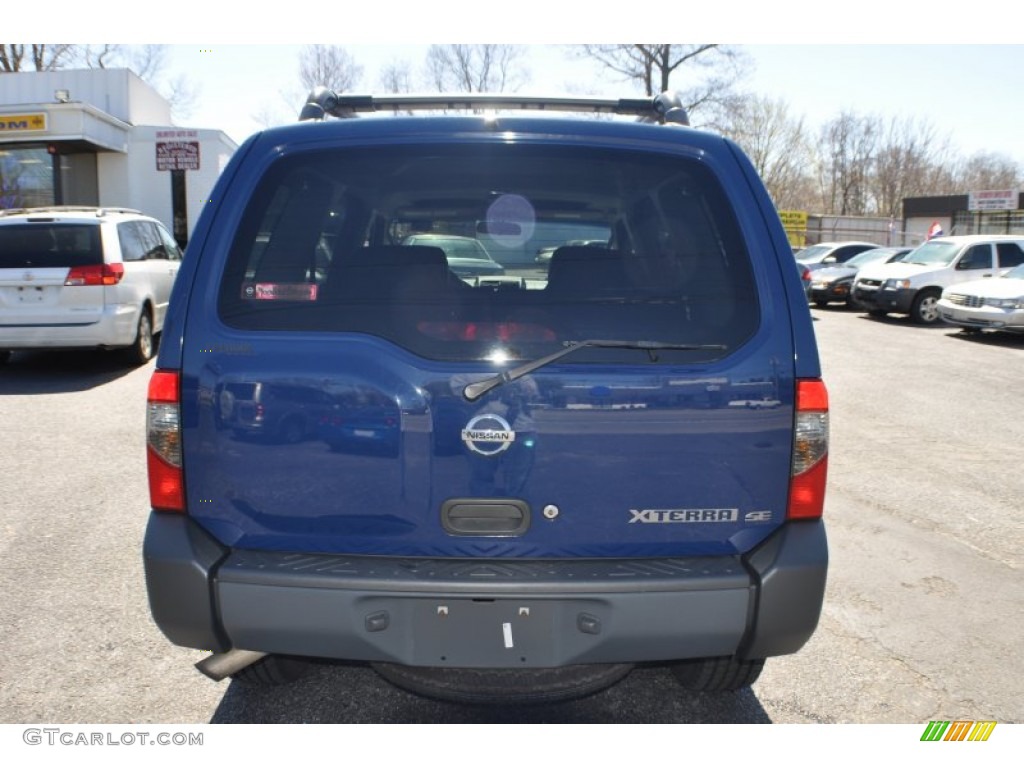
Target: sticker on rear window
279 291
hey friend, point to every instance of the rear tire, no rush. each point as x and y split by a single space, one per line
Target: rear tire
274 670
504 686
144 347
821 303
725 673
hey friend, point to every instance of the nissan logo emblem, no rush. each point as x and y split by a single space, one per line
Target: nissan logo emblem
488 434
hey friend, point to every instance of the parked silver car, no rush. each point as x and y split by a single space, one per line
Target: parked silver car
828 254
83 277
995 304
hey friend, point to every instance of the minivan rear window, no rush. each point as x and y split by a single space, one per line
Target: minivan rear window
477 251
25 246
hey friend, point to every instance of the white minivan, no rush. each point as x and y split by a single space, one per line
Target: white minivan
76 277
914 285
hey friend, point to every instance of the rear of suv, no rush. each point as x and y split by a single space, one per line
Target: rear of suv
84 278
914 284
572 482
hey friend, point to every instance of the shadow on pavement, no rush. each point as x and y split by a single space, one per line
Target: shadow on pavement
991 338
38 373
356 694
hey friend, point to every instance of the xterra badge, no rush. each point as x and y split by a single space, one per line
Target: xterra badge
488 434
684 515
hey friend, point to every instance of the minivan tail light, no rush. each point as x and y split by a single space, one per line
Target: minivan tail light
163 443
809 470
95 274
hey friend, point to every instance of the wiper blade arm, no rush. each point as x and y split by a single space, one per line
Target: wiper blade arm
477 389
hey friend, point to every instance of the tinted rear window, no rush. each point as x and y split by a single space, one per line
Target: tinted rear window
583 244
49 245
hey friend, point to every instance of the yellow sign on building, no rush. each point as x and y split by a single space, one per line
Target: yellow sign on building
795 224
35 121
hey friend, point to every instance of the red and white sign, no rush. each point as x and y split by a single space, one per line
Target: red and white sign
177 155
993 200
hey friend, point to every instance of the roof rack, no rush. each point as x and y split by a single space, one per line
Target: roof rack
99 211
664 108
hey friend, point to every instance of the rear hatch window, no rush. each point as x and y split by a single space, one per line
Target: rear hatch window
46 245
462 253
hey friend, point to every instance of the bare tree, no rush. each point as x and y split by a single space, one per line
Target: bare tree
777 145
907 163
846 153
330 66
986 170
19 57
488 68
710 71
149 62
396 77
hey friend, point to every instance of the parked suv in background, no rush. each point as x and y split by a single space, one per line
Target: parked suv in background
913 285
521 488
80 277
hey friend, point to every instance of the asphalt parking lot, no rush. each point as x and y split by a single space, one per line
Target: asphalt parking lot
923 616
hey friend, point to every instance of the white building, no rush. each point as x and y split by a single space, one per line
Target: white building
103 137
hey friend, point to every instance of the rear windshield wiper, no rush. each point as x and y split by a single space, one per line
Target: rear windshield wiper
475 390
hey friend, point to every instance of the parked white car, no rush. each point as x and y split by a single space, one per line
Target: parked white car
913 285
83 277
979 305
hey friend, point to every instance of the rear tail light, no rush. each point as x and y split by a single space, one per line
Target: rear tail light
95 274
810 451
163 443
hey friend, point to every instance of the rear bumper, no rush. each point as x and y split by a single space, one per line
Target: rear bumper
115 326
494 613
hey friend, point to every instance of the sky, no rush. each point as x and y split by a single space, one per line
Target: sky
971 94
962 73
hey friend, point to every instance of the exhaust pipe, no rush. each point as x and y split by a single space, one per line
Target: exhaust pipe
221 665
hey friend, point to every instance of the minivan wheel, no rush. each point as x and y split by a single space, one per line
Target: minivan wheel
141 350
925 309
724 673
504 686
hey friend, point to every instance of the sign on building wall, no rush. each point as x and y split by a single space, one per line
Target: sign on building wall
795 224
175 153
35 121
993 200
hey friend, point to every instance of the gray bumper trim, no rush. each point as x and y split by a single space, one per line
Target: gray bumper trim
494 613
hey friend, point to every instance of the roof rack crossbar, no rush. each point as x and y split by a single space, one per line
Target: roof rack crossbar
42 209
665 107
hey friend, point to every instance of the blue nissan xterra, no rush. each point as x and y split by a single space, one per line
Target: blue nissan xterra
510 482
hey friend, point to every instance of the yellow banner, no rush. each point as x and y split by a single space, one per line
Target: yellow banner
18 123
795 224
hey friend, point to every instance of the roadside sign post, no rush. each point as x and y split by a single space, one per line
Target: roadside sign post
177 151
